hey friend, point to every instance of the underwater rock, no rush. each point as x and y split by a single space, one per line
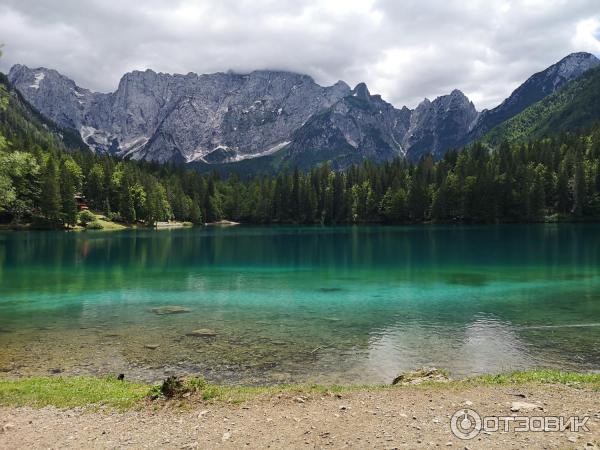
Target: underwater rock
203 332
151 346
164 310
330 289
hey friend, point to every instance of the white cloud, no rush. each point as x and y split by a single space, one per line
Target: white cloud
403 50
587 34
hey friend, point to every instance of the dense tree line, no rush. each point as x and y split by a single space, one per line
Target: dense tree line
551 178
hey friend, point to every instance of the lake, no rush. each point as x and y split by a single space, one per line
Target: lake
300 304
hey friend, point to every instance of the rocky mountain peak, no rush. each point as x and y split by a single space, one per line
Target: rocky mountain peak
456 99
436 126
37 77
573 65
534 89
228 117
458 95
361 91
424 105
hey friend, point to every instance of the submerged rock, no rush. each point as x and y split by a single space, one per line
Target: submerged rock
420 376
151 346
203 332
163 310
331 289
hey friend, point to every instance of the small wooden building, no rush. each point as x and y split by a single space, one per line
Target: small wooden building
81 202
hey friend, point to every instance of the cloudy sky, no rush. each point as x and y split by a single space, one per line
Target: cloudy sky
404 50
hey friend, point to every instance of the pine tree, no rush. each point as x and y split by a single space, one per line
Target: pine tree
69 206
50 199
578 188
126 201
195 212
95 190
70 183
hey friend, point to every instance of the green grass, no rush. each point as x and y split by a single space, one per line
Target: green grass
68 392
108 225
539 376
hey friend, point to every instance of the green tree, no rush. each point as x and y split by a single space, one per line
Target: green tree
50 200
126 200
196 212
95 191
578 187
70 183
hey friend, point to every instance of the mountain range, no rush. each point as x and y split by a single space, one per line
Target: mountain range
272 118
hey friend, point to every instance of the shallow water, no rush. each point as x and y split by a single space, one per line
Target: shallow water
291 304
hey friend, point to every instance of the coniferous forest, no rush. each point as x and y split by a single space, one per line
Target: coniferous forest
548 179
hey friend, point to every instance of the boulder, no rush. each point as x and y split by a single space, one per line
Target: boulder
421 375
524 406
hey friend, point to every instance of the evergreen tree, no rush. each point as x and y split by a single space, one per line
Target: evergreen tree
69 206
195 212
50 198
70 184
126 201
578 188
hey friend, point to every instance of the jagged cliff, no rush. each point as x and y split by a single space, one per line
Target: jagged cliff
225 117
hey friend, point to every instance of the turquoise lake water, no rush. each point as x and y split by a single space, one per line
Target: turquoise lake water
301 304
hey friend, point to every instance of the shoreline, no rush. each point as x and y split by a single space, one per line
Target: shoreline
120 414
116 226
80 391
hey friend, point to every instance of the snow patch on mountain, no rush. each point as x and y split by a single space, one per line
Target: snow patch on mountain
37 79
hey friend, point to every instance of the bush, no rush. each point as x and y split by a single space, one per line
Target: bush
172 387
41 223
115 217
86 217
94 225
175 387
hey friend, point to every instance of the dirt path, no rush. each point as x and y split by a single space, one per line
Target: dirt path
411 417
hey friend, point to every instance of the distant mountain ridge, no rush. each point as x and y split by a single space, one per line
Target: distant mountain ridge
534 89
576 106
23 122
271 117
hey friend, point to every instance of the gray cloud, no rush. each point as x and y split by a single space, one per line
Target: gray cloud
404 50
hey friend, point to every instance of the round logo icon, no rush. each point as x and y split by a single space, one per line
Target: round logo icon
465 424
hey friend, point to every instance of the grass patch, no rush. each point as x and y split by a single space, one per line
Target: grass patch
68 392
539 376
108 225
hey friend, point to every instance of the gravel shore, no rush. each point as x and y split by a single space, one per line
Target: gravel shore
407 417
